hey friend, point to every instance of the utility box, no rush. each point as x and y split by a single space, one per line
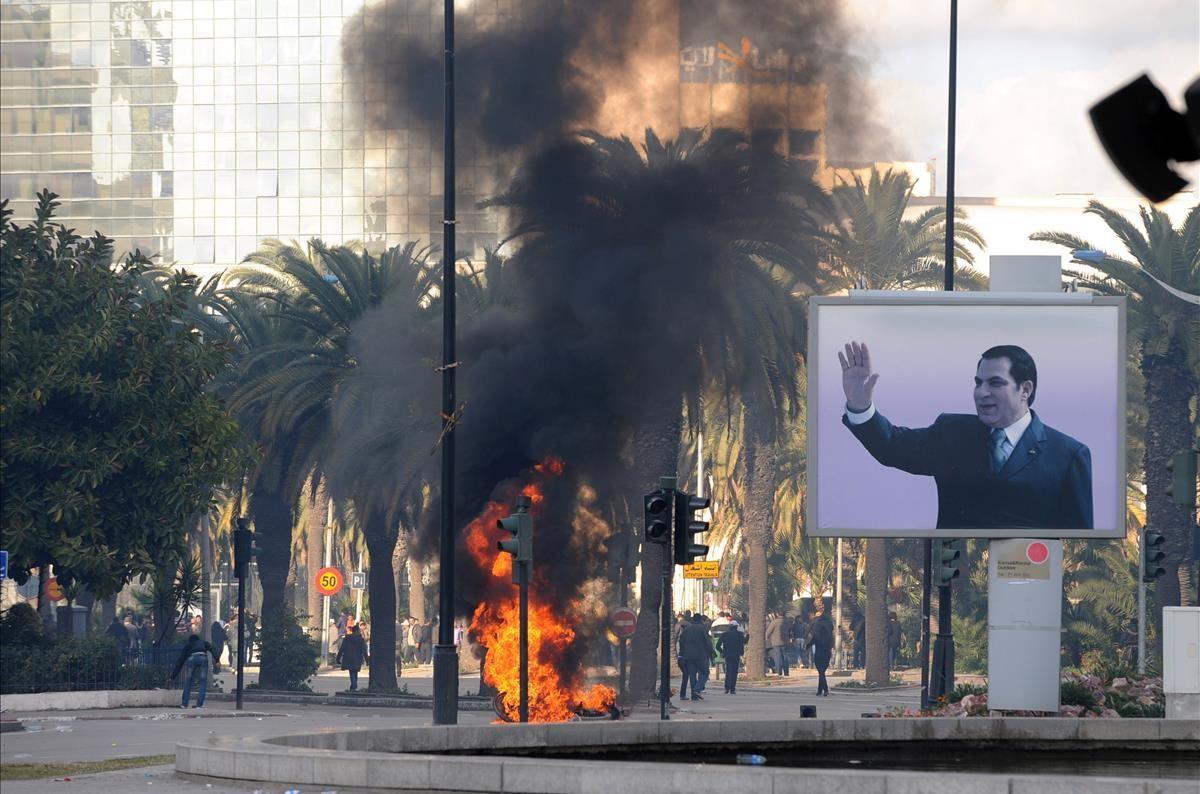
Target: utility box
72 621
1024 624
1025 273
1181 662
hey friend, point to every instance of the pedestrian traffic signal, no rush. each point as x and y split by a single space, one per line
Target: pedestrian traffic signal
520 545
244 548
687 526
946 562
658 517
1182 489
1152 555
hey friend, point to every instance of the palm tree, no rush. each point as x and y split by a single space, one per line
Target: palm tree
1162 261
303 388
875 248
726 231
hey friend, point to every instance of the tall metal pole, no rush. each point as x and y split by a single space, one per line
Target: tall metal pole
944 657
950 116
668 485
837 613
523 707
926 595
1141 623
241 646
445 655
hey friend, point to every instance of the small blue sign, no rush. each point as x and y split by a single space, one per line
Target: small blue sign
3 565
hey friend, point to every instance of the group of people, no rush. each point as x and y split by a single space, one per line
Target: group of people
699 641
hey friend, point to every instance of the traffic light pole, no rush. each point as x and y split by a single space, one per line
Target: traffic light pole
241 646
1141 641
926 595
943 646
668 485
523 587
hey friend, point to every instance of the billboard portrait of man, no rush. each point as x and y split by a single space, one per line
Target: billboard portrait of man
1001 467
939 414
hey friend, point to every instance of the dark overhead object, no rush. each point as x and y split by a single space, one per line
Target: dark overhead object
1143 135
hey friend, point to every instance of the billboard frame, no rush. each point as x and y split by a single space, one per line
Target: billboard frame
933 298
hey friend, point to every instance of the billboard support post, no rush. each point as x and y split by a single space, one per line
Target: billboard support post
1025 622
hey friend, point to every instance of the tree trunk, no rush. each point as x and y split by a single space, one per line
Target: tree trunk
381 587
758 522
399 563
1168 431
656 454
876 634
204 524
416 589
314 550
273 536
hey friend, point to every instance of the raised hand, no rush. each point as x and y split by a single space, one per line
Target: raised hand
857 379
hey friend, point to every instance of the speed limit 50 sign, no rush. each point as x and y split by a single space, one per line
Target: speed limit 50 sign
329 581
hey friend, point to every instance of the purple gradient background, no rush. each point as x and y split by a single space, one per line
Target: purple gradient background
926 358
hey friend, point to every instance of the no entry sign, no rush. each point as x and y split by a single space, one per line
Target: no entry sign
329 581
623 622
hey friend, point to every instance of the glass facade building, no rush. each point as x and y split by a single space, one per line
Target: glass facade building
196 128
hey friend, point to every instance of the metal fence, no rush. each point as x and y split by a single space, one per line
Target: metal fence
83 665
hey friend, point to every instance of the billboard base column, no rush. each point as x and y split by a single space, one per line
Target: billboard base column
1024 624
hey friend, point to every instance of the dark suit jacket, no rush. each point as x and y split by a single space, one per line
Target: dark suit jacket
1045 483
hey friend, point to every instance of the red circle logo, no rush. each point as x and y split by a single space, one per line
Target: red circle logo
1037 552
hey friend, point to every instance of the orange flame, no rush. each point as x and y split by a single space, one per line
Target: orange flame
555 694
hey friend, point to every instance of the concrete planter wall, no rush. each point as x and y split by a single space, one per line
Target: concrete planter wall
98 699
443 758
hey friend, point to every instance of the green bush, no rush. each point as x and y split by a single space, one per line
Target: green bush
962 690
289 657
1077 693
21 625
144 676
68 664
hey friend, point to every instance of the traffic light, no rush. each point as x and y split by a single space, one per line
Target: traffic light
1182 489
658 517
945 562
687 526
244 548
1152 555
520 545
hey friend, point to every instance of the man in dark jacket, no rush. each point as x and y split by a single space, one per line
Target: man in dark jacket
894 639
352 654
217 633
822 643
195 655
695 652
120 634
731 644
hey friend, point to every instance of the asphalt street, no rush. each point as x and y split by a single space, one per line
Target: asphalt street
122 733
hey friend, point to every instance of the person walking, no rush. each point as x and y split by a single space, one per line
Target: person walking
731 644
217 636
776 633
822 644
120 635
695 652
351 655
195 655
895 638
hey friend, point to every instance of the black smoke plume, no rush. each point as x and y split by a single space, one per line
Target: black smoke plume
623 299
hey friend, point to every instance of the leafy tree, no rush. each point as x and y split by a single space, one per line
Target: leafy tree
1163 261
111 441
295 384
875 248
727 231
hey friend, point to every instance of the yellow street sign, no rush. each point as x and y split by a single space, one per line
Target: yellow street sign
702 569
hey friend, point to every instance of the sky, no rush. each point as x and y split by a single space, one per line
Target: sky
1028 70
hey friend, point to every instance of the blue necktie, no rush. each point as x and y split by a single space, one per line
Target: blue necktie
1000 449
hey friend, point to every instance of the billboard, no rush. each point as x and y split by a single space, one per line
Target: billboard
966 415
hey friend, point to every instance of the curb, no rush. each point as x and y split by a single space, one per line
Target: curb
415 702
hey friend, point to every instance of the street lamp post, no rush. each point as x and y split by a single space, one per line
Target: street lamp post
445 655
